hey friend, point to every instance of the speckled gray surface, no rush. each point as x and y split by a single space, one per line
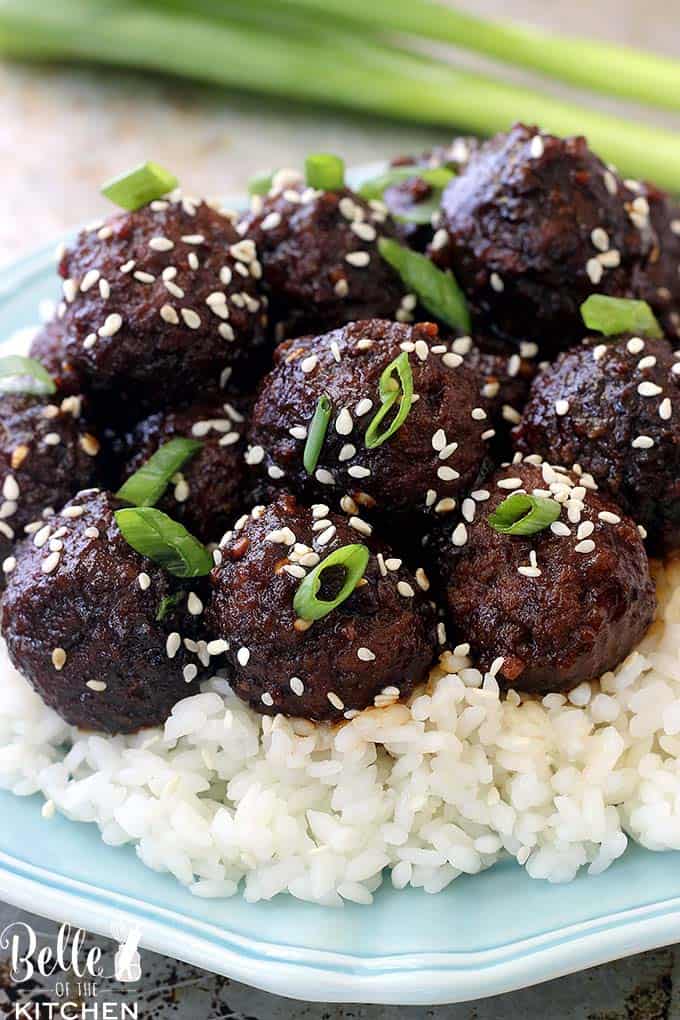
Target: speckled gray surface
61 133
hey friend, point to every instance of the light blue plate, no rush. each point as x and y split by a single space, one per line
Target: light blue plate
481 936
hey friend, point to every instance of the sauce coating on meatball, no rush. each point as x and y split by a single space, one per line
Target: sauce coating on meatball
558 607
373 648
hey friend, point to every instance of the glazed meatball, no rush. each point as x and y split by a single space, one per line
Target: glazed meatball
47 347
559 607
408 197
94 626
373 648
535 224
659 282
320 260
163 303
614 408
422 467
211 487
504 382
47 453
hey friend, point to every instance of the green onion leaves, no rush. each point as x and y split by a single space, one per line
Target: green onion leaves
261 184
155 535
146 486
24 375
317 433
613 316
325 172
520 514
391 391
420 212
140 186
437 291
307 604
167 604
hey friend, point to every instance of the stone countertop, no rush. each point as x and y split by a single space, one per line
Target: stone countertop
64 131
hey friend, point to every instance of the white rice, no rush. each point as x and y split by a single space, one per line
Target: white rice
226 799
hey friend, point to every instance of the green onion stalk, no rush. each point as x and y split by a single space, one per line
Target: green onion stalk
330 66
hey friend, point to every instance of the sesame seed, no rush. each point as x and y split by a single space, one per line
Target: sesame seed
536 147
363 527
608 517
365 654
357 471
642 443
193 239
496 283
89 444
325 537
190 672
448 451
560 529
347 452
10 488
422 350
50 563
561 407
92 532
363 230
144 581
335 701
324 477
112 324
478 414
52 439
649 389
594 270
510 483
344 423
439 440
172 645
267 699
585 547
610 182
218 646
275 472
460 535
191 318
529 571
58 658
600 238
610 259
447 474
309 364
194 604
161 244
226 332
585 530
9 564
665 409
635 345
405 589
296 685
96 685
360 259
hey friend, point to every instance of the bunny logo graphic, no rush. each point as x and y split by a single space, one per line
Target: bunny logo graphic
127 964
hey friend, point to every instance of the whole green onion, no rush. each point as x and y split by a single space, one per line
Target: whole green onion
613 316
146 486
437 291
325 172
390 392
25 375
139 186
316 434
307 604
521 514
155 535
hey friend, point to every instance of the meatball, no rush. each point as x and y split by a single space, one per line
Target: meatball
614 408
320 260
559 607
211 487
535 224
47 453
404 198
659 282
47 347
94 626
422 467
504 382
161 303
371 649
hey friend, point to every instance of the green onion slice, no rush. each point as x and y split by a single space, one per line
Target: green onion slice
155 535
25 375
148 484
261 184
167 604
420 212
520 514
436 290
391 390
139 186
325 172
316 435
307 605
612 316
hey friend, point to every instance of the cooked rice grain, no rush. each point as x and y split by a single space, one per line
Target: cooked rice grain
227 799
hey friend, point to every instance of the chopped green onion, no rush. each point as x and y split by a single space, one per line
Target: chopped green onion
436 290
155 535
375 187
307 605
148 484
325 172
167 604
390 392
317 433
261 184
25 375
520 514
612 316
140 186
